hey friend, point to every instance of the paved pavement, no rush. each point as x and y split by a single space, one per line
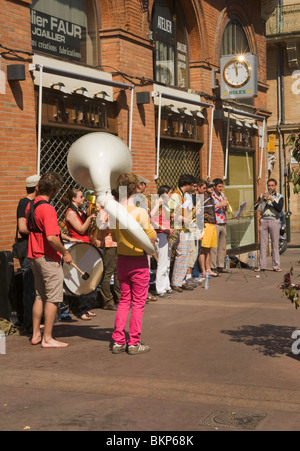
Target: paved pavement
221 359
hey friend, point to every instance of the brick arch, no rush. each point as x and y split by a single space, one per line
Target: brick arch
233 12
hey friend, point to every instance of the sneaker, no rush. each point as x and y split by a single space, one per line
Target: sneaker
190 283
138 349
176 289
117 349
187 287
171 292
164 295
199 280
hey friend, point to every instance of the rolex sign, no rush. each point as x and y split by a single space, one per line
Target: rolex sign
239 76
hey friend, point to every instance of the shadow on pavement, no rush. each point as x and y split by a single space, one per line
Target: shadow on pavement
270 340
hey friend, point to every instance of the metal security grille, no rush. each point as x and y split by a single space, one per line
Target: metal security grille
178 158
54 151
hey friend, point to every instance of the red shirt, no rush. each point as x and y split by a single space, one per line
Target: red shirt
73 233
46 220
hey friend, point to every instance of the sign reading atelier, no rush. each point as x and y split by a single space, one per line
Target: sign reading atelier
56 36
239 76
163 22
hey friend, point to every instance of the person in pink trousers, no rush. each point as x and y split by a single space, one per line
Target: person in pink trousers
133 274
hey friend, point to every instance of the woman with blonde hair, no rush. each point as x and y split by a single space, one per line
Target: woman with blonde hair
133 272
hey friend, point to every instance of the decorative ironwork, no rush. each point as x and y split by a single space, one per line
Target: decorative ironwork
54 151
178 158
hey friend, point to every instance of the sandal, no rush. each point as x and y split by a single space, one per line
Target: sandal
277 270
85 317
214 274
151 298
91 314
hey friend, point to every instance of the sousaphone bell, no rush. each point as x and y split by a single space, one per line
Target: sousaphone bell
95 161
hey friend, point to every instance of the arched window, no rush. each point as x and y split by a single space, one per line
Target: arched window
171 44
234 40
65 29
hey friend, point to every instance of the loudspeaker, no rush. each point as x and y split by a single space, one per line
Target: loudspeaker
7 285
16 72
143 98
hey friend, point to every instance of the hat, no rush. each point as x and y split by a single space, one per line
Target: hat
142 179
32 181
210 184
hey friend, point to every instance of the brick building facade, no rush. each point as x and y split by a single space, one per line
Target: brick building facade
283 62
89 67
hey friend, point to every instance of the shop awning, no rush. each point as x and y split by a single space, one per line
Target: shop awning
178 100
244 117
70 79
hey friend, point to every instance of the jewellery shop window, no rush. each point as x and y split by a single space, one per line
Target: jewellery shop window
171 44
239 190
65 29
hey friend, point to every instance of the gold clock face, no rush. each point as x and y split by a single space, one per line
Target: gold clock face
237 72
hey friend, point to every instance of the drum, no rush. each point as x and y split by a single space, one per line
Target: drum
89 259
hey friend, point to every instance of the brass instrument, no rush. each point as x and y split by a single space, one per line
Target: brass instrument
263 199
92 210
229 208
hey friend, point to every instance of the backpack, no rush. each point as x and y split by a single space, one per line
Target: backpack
31 224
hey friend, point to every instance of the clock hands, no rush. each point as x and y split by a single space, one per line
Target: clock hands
236 69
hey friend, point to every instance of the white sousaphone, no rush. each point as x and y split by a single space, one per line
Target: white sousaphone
95 161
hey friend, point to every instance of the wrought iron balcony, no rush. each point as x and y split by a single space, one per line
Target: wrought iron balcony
285 20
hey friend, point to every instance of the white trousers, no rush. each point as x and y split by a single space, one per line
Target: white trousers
164 250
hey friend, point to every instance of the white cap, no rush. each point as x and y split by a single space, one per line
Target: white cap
142 179
32 181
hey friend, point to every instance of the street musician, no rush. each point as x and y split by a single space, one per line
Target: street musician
218 254
78 225
270 204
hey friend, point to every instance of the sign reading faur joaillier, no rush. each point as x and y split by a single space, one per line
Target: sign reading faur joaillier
56 36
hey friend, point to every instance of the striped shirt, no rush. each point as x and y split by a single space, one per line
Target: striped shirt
219 210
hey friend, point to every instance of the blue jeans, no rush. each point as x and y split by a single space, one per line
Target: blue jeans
196 270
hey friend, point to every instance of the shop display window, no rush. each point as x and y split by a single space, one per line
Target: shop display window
65 29
171 44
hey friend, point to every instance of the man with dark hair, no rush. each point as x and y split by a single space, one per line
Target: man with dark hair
20 251
45 251
209 239
271 205
182 219
198 212
217 254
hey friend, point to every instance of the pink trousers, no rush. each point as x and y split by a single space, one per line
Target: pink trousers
134 277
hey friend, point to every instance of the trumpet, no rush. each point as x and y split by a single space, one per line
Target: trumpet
263 199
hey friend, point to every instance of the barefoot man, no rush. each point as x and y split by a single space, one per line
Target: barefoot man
45 252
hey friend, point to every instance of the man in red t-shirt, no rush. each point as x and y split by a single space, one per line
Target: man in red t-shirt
45 252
